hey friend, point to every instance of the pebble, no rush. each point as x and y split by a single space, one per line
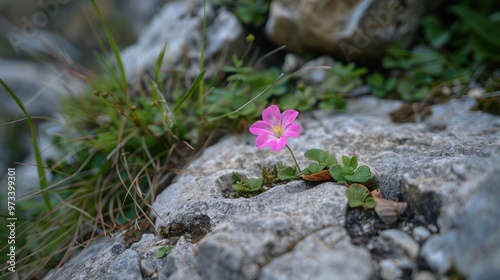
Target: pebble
421 234
389 270
402 240
147 268
437 254
367 228
424 275
432 228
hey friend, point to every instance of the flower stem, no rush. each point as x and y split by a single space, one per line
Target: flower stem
293 156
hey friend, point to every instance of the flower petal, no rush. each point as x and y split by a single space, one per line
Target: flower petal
293 130
261 127
288 117
264 140
272 115
278 144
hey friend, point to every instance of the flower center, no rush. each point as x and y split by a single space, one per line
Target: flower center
278 131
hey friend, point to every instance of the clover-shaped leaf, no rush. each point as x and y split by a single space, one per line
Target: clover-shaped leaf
313 168
347 170
254 184
287 173
163 251
350 162
247 186
322 157
370 202
350 172
358 195
361 175
337 174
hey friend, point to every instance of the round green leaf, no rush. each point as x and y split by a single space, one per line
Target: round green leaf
356 195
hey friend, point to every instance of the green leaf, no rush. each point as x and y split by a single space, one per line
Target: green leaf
287 173
313 168
485 31
320 156
240 187
435 32
114 48
190 91
158 64
36 149
375 80
289 101
390 84
163 251
347 170
361 175
356 195
346 160
370 203
236 176
336 172
354 162
254 184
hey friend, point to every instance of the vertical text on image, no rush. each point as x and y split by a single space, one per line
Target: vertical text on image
11 219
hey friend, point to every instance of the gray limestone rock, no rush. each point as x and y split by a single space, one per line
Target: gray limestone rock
352 30
125 266
325 254
99 264
444 167
178 27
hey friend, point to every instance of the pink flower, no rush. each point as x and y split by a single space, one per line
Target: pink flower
275 128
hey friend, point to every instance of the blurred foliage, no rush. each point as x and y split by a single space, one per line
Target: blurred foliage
331 94
249 12
451 50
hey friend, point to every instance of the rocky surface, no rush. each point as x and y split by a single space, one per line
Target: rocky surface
351 30
445 168
178 27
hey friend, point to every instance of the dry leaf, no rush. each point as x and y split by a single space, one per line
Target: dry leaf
320 176
389 211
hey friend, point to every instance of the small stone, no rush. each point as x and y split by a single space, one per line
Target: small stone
421 234
432 228
424 275
389 270
367 228
292 63
404 262
402 240
147 268
437 254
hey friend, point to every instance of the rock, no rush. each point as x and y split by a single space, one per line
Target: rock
349 30
316 71
147 268
326 254
472 239
402 240
389 270
38 86
420 233
424 275
101 262
62 27
181 263
178 27
437 254
447 176
125 266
